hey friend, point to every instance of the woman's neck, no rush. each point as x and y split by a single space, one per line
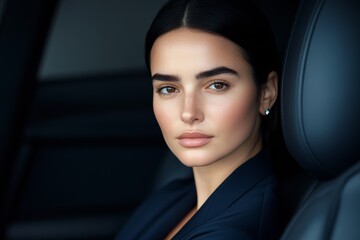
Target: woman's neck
208 178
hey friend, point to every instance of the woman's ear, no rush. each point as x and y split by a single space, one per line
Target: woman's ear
269 93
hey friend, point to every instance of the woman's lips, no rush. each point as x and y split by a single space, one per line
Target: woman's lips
194 139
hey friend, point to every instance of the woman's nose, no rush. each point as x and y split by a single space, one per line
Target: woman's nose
192 111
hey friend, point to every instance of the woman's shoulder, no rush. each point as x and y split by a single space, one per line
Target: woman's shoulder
177 185
167 194
172 190
159 210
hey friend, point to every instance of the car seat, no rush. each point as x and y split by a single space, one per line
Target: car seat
320 105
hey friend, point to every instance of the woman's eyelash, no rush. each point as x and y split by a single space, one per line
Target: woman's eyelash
166 90
218 86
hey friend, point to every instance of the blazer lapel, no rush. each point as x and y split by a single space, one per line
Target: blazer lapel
233 188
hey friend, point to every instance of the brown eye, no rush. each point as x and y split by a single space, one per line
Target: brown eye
218 86
167 90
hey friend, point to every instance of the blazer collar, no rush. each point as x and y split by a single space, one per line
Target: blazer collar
243 178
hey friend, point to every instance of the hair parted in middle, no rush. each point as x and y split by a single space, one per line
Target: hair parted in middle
239 21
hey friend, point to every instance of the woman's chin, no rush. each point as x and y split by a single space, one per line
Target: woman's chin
195 161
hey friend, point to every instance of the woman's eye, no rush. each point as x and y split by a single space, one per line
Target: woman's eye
218 86
167 90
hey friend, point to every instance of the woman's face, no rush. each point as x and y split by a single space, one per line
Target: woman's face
205 99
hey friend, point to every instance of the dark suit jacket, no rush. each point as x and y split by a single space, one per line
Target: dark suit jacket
245 206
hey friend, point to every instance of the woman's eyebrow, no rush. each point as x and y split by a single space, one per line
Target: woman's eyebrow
205 74
165 77
216 71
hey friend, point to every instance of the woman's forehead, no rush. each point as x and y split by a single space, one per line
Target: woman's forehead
194 47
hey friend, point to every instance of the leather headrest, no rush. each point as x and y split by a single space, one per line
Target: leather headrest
320 96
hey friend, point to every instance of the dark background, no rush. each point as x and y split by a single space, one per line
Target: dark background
80 147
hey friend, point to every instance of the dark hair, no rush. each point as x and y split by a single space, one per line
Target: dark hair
237 20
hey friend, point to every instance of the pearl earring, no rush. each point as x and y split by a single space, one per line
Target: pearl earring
267 112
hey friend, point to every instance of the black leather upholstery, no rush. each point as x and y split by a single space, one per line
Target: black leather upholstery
320 117
321 87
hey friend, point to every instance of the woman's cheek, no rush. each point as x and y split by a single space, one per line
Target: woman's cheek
165 111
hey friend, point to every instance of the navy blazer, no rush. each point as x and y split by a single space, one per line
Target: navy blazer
245 206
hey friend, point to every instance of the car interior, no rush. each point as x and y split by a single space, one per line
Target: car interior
80 147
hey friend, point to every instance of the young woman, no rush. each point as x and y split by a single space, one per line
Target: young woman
213 66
